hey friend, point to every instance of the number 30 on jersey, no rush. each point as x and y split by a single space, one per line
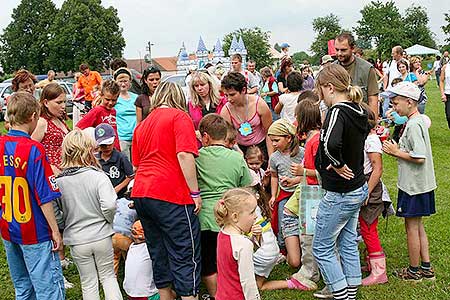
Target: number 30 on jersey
11 193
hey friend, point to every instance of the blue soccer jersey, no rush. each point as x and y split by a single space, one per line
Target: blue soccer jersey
26 182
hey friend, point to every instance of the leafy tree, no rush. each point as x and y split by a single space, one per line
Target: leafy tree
25 41
416 27
446 29
257 43
299 57
85 31
326 28
382 24
363 44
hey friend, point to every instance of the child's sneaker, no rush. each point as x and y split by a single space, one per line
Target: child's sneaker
65 263
67 284
324 293
408 275
281 259
427 274
294 284
311 285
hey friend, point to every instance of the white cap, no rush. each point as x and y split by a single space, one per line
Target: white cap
405 88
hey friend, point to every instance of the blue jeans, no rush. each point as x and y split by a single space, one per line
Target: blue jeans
337 219
35 271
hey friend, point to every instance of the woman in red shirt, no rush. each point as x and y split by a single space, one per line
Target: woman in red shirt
166 194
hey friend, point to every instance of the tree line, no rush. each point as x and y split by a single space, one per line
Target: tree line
41 37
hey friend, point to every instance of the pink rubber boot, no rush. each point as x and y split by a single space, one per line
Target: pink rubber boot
378 270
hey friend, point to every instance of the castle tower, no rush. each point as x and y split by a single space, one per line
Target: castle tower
233 47
243 51
202 54
218 51
183 59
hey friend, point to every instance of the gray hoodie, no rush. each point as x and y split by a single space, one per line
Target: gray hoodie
88 205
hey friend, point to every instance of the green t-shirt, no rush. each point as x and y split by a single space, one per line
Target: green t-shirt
415 178
218 170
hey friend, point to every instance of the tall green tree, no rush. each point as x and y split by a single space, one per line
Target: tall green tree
382 24
299 57
257 43
85 32
326 28
446 30
416 27
25 41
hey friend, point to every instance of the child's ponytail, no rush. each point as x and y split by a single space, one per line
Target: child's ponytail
230 203
355 94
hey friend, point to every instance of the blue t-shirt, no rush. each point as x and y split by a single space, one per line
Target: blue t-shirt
411 77
126 117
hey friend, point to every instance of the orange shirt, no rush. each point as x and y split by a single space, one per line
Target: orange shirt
88 83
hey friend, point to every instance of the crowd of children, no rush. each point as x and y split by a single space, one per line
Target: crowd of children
177 196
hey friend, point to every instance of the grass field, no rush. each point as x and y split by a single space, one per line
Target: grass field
392 233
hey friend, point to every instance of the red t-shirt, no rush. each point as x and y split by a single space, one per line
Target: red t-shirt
156 142
310 156
99 115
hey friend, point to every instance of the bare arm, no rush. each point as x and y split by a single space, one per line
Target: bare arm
187 164
49 214
385 81
281 88
273 187
422 78
266 119
442 82
39 132
278 107
138 115
373 104
377 169
123 184
391 148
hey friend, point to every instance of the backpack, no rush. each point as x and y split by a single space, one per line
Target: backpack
273 99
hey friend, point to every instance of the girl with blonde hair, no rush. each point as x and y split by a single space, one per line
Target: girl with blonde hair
236 214
166 193
88 215
205 97
339 161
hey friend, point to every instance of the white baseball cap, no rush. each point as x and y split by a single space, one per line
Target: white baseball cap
405 89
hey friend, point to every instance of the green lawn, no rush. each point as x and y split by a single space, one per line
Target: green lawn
392 234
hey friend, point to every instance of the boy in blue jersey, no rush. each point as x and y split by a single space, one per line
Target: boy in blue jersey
27 188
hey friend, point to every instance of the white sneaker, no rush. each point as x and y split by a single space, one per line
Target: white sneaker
323 294
281 258
65 263
67 284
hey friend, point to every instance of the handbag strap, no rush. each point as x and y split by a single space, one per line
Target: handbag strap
305 182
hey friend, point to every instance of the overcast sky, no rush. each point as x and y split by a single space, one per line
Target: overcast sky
167 23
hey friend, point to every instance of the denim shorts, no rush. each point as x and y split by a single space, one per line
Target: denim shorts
290 225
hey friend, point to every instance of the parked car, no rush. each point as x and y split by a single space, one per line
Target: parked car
179 79
6 91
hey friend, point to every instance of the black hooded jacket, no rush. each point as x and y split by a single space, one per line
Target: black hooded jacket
342 142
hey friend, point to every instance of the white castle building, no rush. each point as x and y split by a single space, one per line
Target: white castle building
217 57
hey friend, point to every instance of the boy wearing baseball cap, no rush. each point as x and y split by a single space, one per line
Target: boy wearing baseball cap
120 171
416 180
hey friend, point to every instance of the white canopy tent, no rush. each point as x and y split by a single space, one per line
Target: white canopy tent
421 50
